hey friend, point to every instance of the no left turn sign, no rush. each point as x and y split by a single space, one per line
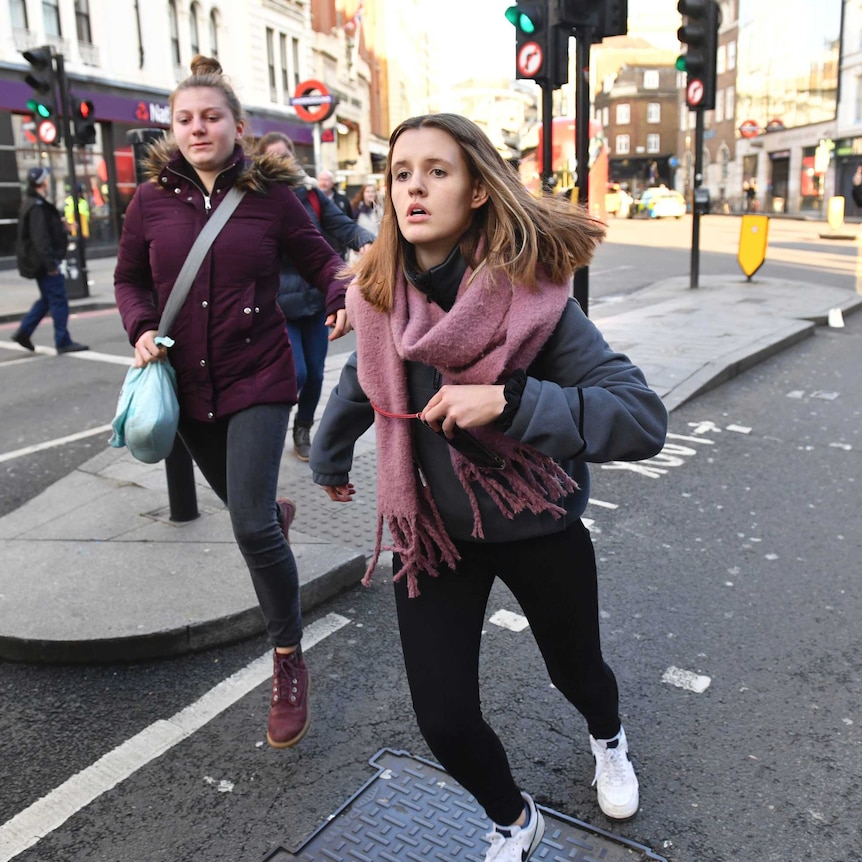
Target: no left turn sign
694 92
530 59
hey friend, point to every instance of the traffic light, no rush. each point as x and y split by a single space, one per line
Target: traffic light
699 34
605 17
42 79
541 48
83 122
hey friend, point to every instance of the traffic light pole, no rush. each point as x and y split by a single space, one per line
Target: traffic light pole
73 182
695 209
548 179
583 39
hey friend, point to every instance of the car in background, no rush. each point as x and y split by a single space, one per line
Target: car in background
661 202
618 202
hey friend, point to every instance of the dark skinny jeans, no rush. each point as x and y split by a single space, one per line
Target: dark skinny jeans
554 580
240 456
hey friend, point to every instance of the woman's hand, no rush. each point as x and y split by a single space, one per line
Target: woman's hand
339 324
340 493
147 351
467 406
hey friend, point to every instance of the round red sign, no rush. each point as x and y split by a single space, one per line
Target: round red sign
749 129
313 102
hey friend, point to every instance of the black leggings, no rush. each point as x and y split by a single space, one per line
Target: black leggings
554 580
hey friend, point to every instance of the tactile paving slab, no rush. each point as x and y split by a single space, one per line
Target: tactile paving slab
412 811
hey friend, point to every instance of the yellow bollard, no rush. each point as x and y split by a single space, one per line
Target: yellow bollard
835 212
753 237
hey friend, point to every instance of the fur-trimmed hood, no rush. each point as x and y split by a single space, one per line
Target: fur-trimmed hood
256 174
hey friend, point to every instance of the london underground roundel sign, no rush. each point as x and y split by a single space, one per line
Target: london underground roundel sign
313 102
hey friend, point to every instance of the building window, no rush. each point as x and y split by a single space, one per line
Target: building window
175 33
294 44
51 17
622 145
653 112
651 79
729 102
653 143
270 63
624 115
731 56
82 21
721 59
18 11
214 33
606 116
719 106
194 35
285 70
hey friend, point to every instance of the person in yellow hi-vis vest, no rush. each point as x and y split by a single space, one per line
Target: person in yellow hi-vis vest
83 210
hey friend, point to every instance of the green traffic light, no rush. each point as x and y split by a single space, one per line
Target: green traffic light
680 63
38 108
521 20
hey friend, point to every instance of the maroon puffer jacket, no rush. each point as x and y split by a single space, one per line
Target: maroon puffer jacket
232 349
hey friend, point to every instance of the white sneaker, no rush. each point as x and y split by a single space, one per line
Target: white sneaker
523 841
615 777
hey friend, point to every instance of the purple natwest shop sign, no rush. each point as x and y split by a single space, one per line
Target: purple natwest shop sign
143 111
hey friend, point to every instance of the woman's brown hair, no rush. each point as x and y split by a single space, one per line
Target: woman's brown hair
513 233
207 72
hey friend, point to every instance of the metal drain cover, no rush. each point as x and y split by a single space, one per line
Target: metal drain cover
412 811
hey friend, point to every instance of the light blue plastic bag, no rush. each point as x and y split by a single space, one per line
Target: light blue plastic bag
148 411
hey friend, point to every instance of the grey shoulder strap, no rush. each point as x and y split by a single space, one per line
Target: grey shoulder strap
196 256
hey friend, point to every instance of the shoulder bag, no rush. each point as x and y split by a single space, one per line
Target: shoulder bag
148 411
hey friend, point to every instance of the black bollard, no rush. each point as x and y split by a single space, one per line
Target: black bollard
181 483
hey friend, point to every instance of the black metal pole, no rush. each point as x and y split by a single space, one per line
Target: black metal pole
695 211
583 39
182 495
548 179
80 250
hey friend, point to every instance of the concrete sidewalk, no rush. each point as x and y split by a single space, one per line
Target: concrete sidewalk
94 570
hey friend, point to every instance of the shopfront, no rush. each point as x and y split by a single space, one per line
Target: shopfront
104 173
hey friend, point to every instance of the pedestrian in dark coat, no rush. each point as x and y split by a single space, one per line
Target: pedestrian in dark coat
41 248
301 304
231 354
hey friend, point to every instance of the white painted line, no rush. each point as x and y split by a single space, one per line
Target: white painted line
52 810
602 504
50 444
95 356
740 429
508 620
686 679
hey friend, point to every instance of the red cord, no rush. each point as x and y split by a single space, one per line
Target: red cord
389 415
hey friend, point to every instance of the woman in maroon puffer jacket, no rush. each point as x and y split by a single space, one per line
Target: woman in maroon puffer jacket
235 375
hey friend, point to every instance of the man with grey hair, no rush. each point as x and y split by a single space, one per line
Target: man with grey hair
326 183
41 248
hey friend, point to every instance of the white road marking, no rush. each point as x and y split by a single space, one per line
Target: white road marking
508 620
686 679
602 504
739 429
50 444
52 810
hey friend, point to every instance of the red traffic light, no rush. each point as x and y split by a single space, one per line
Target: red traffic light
84 108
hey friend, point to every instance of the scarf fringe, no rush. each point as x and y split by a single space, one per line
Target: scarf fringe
533 483
422 543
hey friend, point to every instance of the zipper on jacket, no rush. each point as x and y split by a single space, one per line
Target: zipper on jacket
207 203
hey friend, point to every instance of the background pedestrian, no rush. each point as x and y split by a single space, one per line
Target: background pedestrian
302 305
367 209
41 248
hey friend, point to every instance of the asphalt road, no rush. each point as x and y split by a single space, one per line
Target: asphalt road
730 594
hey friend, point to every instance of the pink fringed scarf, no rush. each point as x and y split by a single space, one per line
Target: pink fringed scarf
493 329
